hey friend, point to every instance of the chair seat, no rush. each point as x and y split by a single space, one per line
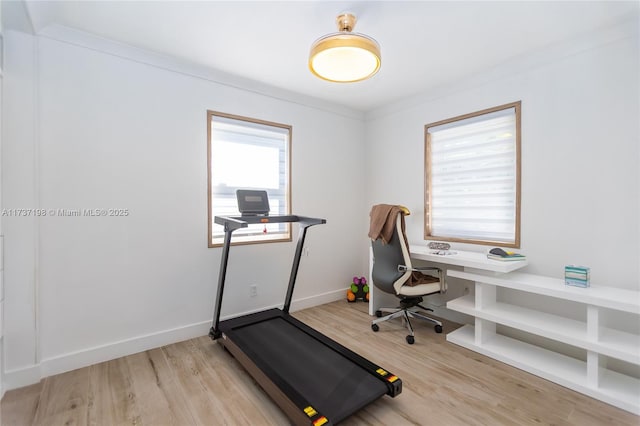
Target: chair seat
420 289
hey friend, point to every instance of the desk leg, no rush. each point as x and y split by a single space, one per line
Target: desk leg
594 360
593 323
485 297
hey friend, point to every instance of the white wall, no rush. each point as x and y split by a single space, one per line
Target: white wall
580 151
94 128
1 236
18 191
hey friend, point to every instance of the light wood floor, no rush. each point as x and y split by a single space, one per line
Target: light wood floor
197 383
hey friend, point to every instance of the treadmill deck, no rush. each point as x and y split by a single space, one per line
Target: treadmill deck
297 360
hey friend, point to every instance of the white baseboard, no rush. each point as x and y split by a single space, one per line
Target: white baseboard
2 385
21 377
319 299
18 378
90 356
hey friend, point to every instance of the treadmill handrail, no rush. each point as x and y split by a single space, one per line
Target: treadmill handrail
231 223
236 222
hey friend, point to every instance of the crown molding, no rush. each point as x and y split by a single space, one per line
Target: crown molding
628 28
124 51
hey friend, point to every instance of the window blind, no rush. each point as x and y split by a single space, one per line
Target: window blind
472 178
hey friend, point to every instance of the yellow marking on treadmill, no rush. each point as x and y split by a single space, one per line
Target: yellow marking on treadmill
310 411
322 420
381 372
392 379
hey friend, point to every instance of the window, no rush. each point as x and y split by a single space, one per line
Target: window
472 178
244 153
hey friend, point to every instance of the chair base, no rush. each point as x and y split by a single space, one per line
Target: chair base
406 310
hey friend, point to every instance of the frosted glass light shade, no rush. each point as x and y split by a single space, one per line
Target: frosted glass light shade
344 57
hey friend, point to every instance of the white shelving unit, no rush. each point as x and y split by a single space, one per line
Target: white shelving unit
591 377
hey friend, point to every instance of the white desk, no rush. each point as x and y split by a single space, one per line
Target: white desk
467 259
471 262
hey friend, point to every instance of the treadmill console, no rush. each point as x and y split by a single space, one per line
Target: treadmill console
252 202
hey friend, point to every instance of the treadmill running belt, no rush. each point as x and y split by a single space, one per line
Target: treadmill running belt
336 386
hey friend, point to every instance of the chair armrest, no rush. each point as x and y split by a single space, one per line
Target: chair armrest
422 269
402 268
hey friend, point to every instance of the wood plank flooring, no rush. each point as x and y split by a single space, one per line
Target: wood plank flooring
197 383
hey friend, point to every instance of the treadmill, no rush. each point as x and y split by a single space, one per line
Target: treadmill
315 380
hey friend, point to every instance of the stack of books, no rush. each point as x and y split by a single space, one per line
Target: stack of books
500 254
577 276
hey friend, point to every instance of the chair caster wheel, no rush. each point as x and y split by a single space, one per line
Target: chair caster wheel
410 340
375 327
378 314
438 328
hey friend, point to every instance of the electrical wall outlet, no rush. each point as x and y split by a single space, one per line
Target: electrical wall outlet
253 290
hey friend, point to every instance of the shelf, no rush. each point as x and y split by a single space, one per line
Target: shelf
607 297
620 345
616 389
541 362
613 343
621 388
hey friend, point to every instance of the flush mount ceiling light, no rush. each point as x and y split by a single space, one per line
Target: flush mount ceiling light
345 57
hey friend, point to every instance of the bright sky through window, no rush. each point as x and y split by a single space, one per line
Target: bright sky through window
259 166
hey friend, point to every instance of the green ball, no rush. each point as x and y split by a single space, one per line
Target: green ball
354 288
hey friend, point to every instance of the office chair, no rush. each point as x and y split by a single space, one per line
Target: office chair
394 274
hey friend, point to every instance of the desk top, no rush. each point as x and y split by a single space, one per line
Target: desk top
467 259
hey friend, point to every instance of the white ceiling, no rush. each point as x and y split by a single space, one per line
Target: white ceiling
425 44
